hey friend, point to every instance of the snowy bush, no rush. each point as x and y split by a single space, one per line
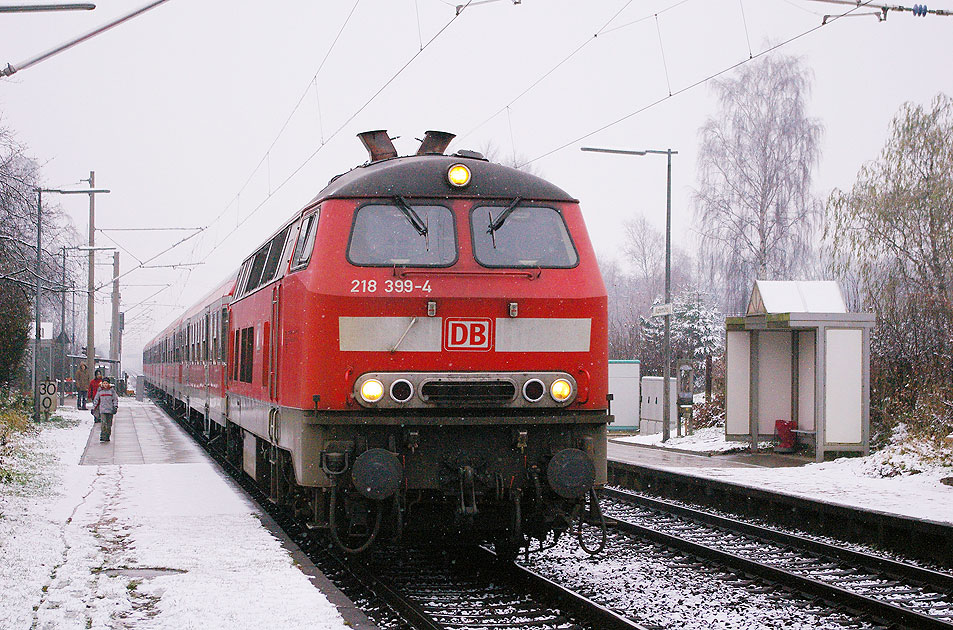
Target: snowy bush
711 413
908 453
15 426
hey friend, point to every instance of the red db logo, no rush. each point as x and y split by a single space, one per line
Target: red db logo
467 334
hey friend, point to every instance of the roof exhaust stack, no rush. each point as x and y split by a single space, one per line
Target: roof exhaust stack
435 142
378 145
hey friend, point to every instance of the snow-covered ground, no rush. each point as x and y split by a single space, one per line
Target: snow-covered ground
146 546
707 440
903 478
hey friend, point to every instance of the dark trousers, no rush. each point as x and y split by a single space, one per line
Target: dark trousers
81 399
106 427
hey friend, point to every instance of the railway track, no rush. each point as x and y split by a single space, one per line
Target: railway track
887 591
427 590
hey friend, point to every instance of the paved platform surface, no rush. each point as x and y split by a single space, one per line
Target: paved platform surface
159 472
141 434
630 453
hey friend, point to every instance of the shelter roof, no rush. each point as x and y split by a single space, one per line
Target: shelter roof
795 296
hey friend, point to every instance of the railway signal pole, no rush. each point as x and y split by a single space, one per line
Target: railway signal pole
667 344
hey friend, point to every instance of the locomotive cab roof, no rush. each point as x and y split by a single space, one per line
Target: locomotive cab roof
425 175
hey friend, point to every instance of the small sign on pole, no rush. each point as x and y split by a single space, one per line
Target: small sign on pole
47 392
660 310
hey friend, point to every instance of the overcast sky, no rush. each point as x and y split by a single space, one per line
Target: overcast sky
176 110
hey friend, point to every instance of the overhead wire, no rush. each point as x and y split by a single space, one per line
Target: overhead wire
861 4
601 31
338 130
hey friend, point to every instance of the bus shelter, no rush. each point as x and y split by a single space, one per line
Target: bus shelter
798 355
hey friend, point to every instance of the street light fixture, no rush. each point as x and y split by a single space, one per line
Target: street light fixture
36 269
667 349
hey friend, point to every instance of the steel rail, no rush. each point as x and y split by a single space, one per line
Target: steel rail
873 606
604 618
936 579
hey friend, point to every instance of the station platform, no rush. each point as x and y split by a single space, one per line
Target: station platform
156 535
662 458
142 434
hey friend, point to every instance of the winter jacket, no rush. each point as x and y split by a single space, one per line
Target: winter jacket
82 379
93 387
106 401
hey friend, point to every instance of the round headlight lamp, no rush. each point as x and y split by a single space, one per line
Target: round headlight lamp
372 390
560 390
458 175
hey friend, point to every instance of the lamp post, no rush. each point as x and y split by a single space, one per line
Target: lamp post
36 273
667 346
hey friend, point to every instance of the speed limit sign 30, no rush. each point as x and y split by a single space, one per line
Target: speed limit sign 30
47 397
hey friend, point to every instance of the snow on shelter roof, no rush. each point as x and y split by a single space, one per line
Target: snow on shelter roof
795 296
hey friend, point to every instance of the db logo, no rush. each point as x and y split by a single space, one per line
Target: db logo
467 334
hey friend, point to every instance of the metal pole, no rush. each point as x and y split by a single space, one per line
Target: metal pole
36 8
114 326
23 65
667 349
36 306
63 351
72 293
91 283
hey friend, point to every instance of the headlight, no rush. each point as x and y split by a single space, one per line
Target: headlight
561 390
458 175
401 390
372 390
533 390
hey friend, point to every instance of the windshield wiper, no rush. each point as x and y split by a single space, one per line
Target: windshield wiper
501 219
411 215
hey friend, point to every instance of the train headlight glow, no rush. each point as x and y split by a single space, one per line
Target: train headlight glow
560 390
372 390
458 175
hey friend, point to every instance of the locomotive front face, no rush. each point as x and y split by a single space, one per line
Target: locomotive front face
455 347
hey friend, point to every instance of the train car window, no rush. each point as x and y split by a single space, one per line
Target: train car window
247 355
224 349
530 236
237 356
305 244
277 246
384 236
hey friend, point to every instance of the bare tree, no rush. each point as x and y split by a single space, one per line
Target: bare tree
19 178
754 206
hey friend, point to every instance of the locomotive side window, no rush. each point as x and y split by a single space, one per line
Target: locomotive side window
257 267
277 246
417 236
521 236
305 244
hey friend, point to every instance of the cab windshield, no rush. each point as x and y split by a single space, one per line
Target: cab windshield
387 235
529 236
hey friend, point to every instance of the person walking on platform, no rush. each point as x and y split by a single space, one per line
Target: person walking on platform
82 385
93 388
106 403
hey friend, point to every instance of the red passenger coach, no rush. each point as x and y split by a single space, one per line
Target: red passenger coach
421 350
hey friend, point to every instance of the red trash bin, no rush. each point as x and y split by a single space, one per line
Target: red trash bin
785 432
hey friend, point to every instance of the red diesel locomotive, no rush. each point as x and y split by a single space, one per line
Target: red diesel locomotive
422 348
